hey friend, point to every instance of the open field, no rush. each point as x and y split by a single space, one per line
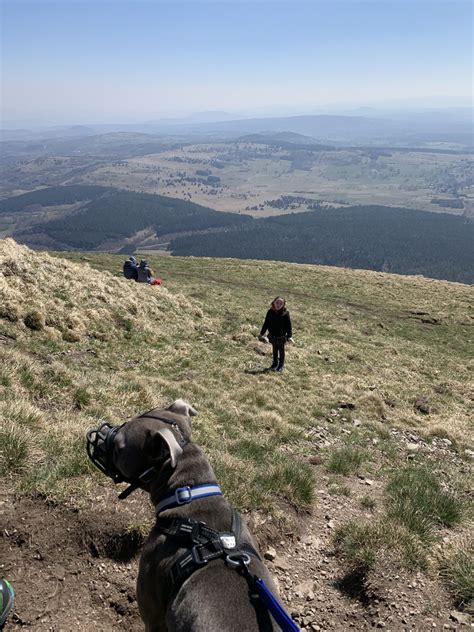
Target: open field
378 383
252 175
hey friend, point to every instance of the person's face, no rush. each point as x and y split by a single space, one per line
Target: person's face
279 303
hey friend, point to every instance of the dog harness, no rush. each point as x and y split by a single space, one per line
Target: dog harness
204 544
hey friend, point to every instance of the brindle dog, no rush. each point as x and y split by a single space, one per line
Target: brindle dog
215 598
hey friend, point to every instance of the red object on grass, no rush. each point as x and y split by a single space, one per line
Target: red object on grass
156 282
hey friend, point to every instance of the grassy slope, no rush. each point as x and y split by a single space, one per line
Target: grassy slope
357 340
80 344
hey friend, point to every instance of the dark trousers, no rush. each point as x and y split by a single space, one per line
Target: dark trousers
278 345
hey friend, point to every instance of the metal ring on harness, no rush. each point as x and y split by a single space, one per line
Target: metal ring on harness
234 560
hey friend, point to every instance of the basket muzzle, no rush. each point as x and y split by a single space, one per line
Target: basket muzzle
100 449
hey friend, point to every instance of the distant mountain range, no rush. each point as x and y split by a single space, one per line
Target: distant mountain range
454 125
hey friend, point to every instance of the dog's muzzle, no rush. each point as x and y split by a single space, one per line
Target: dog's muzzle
100 448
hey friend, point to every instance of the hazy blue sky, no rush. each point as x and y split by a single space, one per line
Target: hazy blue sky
119 60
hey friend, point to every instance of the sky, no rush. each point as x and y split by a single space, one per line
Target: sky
131 61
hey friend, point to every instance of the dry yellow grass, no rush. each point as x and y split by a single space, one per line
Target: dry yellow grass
64 300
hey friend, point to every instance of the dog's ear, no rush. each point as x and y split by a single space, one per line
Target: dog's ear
164 443
180 407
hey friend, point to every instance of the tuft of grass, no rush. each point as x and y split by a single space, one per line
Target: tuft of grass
367 502
82 398
356 543
13 449
346 460
284 479
364 544
457 572
415 498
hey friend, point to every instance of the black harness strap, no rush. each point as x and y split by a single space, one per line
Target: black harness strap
206 544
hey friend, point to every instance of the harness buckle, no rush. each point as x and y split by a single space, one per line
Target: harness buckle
197 556
183 495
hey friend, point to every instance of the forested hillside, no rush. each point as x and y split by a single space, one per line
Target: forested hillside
379 238
53 196
113 215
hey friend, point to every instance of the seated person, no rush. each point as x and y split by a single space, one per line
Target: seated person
145 274
130 269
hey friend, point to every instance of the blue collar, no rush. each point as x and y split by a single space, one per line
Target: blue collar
185 495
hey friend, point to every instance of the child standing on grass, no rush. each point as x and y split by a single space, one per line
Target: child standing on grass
278 324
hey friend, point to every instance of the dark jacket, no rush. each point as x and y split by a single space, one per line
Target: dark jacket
144 273
277 323
130 270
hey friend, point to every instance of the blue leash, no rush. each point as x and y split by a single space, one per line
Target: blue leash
277 611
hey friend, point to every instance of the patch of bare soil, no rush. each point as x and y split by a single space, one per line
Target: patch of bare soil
72 569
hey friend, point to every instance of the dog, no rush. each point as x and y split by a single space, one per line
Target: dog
154 451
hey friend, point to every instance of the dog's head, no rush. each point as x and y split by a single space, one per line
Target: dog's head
135 451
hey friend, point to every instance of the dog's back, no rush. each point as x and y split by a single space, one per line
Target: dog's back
215 597
220 602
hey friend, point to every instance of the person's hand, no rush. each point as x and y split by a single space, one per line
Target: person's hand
263 338
291 340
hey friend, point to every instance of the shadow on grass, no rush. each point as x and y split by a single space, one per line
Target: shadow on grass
259 371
